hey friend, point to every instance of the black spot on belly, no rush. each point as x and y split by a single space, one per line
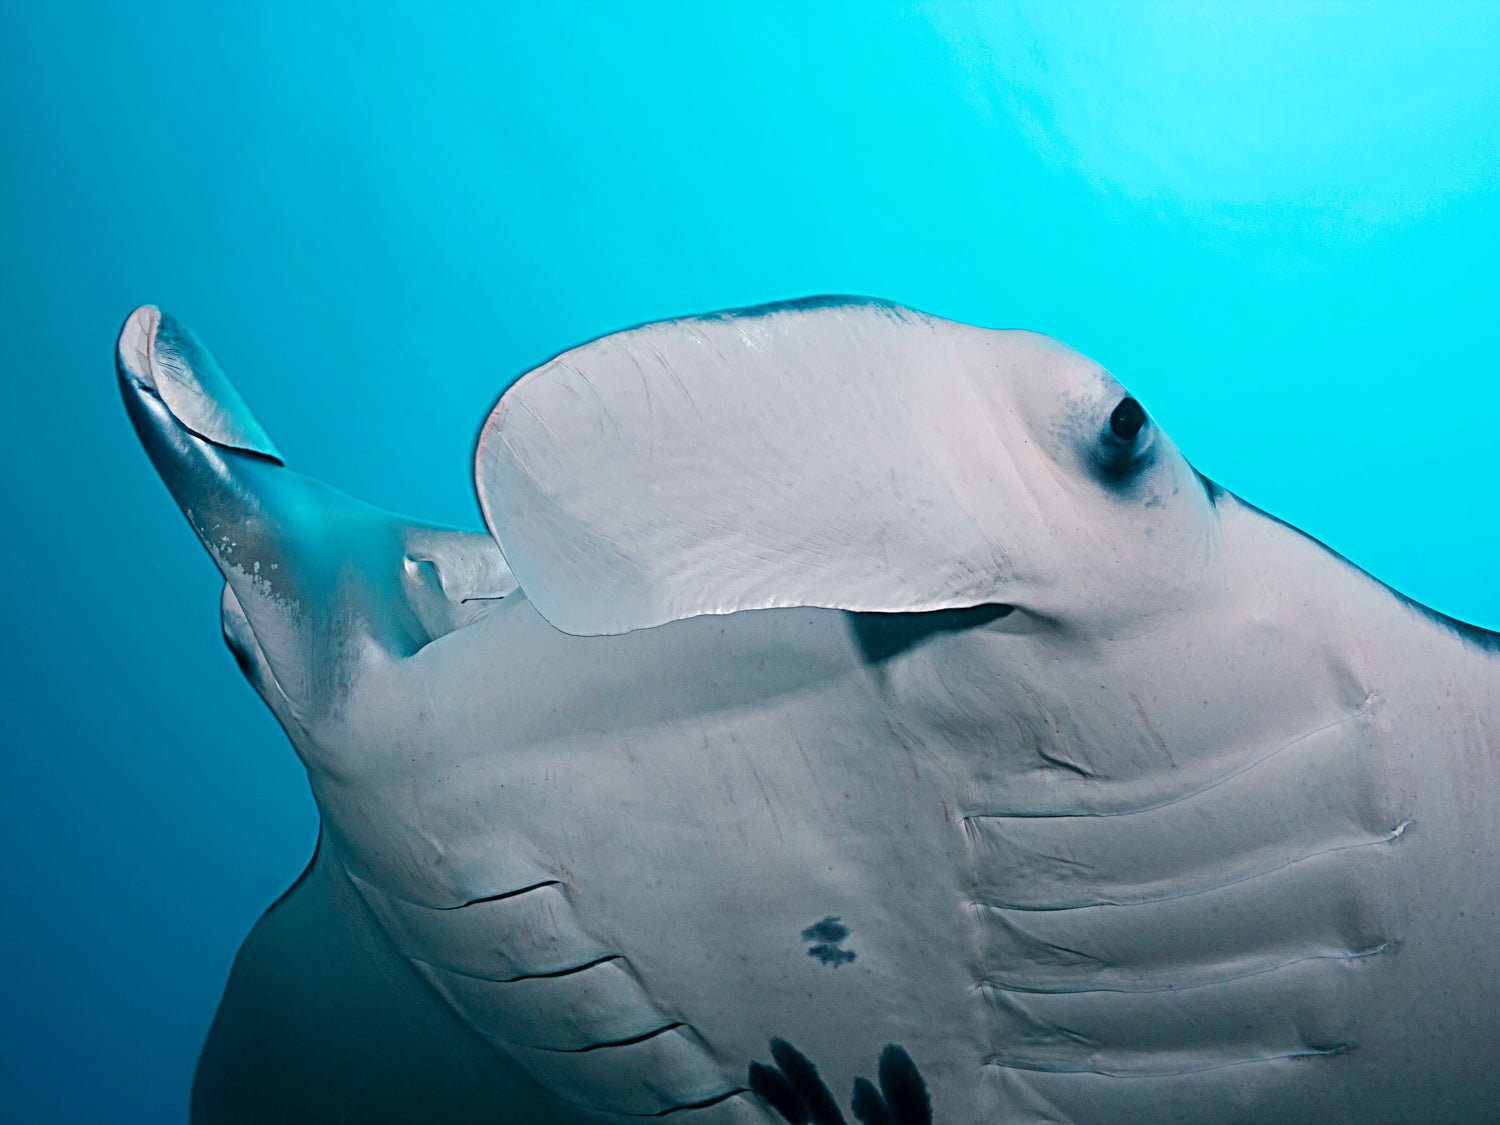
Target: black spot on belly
826 936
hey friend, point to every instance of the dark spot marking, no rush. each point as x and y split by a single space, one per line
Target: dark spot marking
881 636
830 928
831 954
826 936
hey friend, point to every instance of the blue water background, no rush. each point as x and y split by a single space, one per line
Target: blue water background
1278 225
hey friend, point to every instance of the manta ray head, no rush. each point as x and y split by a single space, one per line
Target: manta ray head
840 453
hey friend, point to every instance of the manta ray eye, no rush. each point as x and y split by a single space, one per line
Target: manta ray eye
1126 421
1123 448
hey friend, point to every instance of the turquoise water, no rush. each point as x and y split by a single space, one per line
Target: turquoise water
1278 225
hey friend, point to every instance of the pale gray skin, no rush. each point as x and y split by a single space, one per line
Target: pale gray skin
1201 830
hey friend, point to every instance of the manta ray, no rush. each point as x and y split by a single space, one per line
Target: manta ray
848 714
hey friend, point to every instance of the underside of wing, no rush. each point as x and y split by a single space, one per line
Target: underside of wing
323 1020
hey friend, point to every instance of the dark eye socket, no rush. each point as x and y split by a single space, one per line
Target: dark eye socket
1126 421
1124 449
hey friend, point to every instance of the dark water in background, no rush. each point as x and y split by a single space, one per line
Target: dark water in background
1278 226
